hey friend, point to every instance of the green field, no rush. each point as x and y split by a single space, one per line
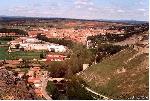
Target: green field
3 42
3 53
105 79
19 54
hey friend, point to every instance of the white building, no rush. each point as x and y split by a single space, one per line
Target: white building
57 48
38 46
29 43
30 46
32 40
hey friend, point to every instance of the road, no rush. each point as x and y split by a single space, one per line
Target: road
90 90
43 88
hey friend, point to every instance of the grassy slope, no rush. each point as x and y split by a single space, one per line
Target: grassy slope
105 79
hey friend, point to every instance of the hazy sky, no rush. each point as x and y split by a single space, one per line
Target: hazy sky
85 9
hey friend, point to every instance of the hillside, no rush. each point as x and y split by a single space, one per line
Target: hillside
120 76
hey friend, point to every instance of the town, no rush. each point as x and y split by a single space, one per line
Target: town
49 60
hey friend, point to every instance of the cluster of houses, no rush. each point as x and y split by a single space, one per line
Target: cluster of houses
35 77
54 57
30 43
79 35
7 34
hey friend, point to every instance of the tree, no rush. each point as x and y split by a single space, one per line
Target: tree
17 46
42 55
52 90
76 91
57 68
79 56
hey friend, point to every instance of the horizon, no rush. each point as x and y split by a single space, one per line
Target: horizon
5 16
78 9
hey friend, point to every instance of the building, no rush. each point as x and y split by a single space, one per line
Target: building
21 74
57 48
50 57
38 92
35 71
28 43
11 63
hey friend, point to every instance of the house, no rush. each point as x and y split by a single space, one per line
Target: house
21 74
33 80
37 84
54 57
85 66
11 63
38 92
35 71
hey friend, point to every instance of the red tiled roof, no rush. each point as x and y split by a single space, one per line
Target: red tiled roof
38 91
33 80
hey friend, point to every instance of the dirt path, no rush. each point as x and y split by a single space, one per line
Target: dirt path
135 55
97 94
43 88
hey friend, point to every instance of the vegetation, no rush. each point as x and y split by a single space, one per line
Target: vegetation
72 90
18 31
75 90
62 41
112 76
105 50
52 90
3 42
7 38
4 54
118 80
129 31
57 69
79 56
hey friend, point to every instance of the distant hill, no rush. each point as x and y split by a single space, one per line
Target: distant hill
3 17
125 21
120 76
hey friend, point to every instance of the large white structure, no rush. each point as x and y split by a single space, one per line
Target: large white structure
29 46
32 40
56 48
29 43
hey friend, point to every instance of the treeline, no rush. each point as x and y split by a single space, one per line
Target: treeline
7 38
129 31
64 42
17 31
105 50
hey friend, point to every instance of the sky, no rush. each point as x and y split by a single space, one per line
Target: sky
79 9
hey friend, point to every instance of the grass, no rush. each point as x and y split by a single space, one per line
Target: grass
17 55
104 79
112 63
3 42
3 53
26 55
